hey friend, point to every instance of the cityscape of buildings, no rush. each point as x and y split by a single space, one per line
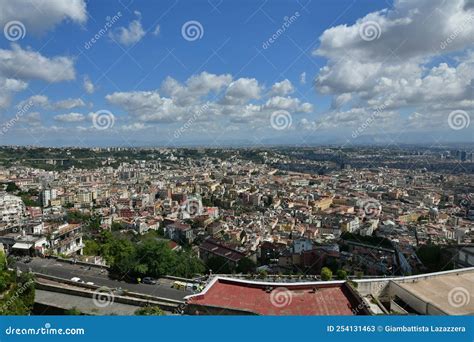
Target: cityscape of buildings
250 222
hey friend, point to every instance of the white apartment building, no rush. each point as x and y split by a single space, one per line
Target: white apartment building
12 208
66 239
47 196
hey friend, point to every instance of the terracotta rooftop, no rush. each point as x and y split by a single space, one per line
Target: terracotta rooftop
317 298
216 248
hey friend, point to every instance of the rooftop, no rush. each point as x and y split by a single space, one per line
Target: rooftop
453 292
315 298
216 248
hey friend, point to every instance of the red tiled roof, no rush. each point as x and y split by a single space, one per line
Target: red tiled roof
172 244
180 226
215 248
328 299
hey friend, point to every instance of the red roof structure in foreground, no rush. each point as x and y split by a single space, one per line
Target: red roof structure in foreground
232 296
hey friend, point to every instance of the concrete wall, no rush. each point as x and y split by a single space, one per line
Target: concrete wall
89 289
69 261
201 310
119 299
466 256
413 301
377 287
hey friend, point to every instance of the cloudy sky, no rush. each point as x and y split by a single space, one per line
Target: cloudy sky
172 73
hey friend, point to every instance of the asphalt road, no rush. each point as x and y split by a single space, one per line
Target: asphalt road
99 277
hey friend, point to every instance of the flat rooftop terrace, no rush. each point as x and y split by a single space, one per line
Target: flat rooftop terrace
453 293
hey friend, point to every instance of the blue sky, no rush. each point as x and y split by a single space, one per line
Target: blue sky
258 72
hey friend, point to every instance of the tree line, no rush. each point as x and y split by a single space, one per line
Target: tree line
149 257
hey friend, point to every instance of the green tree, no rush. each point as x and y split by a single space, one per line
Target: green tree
157 255
77 217
150 311
146 257
121 256
11 187
188 265
93 224
117 226
219 265
326 274
73 312
91 247
341 274
432 257
28 201
17 293
245 265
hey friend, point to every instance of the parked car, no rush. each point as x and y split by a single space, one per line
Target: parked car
149 280
179 285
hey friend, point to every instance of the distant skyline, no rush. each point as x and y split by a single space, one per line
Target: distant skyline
225 73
